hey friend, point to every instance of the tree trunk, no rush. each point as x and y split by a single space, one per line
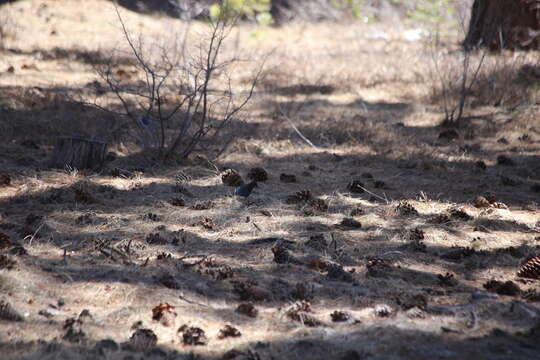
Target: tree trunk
78 153
504 24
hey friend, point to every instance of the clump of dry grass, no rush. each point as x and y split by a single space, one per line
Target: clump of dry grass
120 248
496 80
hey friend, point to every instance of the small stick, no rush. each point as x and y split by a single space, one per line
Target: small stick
300 134
64 257
333 241
373 194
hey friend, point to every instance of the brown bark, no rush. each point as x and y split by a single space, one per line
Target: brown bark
78 153
504 24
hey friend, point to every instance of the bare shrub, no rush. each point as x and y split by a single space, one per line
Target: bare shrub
454 73
453 76
464 78
172 99
508 79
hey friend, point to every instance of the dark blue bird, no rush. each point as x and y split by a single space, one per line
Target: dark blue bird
145 121
245 190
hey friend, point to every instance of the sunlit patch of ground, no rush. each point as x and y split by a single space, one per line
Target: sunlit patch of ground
410 278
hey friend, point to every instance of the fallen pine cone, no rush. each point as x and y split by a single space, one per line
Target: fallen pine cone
192 335
287 178
143 339
502 288
340 316
231 177
349 223
481 202
164 313
298 197
228 331
247 309
5 242
299 312
257 174
499 205
531 268
319 205
5 180
177 202
406 209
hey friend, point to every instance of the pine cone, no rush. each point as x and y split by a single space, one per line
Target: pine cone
8 313
459 214
231 177
287 178
416 234
380 268
7 263
5 180
406 209
319 205
5 242
143 339
298 197
531 268
481 202
257 174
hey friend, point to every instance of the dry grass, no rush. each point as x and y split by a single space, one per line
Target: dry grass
494 80
115 243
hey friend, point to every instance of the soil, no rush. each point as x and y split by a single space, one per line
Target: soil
379 248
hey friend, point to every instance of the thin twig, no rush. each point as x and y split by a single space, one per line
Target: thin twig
31 237
373 194
299 133
257 226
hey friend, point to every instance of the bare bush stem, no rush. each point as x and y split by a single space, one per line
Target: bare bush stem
198 113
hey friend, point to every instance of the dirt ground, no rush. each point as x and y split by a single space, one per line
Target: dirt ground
379 248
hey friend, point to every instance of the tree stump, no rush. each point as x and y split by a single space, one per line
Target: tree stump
78 153
504 24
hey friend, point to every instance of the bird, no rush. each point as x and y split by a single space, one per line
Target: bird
145 121
245 190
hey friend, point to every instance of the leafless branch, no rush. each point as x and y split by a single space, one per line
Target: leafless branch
173 106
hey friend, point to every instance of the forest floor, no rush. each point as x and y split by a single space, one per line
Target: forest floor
407 263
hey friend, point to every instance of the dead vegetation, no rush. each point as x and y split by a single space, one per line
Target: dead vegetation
176 107
369 235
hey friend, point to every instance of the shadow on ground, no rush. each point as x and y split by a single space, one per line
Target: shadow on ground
132 234
357 342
